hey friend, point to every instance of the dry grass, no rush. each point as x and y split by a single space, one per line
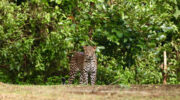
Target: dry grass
70 92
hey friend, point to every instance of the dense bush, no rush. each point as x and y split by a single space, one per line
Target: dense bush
37 38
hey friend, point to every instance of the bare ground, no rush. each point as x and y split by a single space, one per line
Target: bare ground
79 92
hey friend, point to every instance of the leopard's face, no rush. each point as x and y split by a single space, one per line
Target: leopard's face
89 52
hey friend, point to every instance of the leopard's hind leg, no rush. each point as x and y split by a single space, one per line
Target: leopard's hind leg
72 73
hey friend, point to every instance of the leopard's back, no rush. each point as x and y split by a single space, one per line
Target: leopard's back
77 61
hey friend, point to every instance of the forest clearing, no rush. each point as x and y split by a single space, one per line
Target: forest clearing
78 92
47 43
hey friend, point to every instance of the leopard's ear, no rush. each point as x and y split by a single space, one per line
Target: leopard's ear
94 47
84 47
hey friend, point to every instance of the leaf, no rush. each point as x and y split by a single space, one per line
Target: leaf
47 17
119 34
58 1
125 40
177 13
99 48
45 1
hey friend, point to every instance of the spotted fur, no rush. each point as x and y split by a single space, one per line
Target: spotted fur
86 63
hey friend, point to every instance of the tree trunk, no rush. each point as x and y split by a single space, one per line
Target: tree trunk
165 69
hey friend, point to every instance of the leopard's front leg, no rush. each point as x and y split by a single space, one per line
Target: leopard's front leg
93 74
85 75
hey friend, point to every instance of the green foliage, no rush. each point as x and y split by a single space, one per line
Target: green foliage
37 38
54 80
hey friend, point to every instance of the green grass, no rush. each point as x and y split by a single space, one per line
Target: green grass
77 92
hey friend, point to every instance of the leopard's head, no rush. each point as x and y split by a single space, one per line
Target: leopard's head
89 52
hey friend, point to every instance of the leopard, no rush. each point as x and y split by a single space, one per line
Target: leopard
86 63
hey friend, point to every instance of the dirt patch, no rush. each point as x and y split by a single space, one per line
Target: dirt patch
80 92
133 90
